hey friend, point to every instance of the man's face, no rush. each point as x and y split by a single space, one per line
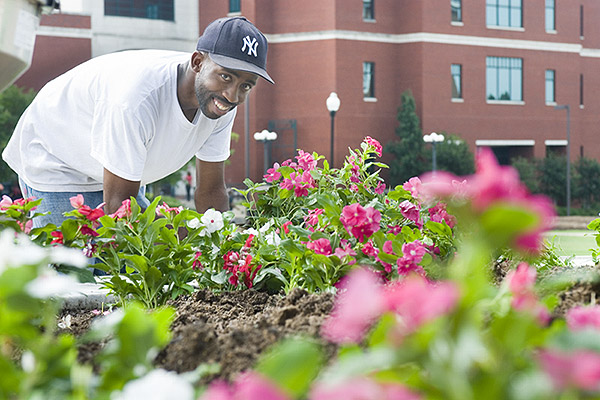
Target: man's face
219 90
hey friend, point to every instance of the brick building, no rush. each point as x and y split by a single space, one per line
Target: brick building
490 71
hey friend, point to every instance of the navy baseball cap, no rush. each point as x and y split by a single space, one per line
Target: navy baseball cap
235 43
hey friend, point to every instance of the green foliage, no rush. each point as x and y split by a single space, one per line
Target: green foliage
409 157
13 102
453 155
586 183
553 178
528 173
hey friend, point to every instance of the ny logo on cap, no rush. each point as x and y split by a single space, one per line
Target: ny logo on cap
251 44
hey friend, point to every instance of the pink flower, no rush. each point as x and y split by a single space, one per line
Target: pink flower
413 185
313 216
27 228
196 264
413 253
362 388
579 369
165 210
580 318
521 283
355 308
380 188
411 212
123 211
77 201
360 222
285 226
248 386
352 215
5 202
86 230
345 250
306 161
58 237
272 174
369 250
374 144
416 301
438 213
320 246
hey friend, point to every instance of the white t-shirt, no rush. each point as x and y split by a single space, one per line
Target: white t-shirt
120 112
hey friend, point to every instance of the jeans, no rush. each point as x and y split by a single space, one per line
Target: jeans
58 203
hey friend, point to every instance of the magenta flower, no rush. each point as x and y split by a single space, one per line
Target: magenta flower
369 250
375 145
355 308
123 211
320 246
417 301
580 318
353 215
86 230
165 210
306 161
438 213
579 369
380 189
362 388
272 174
345 250
313 216
412 255
411 212
285 227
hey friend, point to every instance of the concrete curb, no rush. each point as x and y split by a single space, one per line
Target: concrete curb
87 296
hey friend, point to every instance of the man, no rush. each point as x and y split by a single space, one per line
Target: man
120 121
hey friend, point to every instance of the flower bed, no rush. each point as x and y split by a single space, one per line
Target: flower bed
417 311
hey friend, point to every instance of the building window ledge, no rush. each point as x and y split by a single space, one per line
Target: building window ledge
506 102
370 20
370 99
550 103
457 23
234 14
581 106
552 32
506 28
456 100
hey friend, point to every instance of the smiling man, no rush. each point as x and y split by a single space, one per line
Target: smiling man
120 121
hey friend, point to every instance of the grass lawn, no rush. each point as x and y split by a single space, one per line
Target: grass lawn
572 242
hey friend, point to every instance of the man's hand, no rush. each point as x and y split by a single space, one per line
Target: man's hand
117 189
210 187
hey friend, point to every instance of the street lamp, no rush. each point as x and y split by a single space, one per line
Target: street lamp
433 138
333 105
266 137
568 108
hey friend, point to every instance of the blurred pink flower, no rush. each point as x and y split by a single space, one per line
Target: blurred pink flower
412 255
355 309
521 283
579 369
285 227
580 318
375 144
272 174
5 202
417 301
248 386
27 228
362 388
438 213
380 189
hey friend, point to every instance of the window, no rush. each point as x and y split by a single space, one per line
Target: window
550 91
506 13
149 9
369 79
456 10
504 78
368 10
235 6
456 72
550 16
581 21
581 90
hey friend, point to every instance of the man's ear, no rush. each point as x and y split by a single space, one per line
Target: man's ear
197 60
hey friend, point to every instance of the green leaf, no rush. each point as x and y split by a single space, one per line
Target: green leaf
69 229
293 364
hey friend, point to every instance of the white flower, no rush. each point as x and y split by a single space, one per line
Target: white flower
251 231
17 250
193 223
212 220
65 322
157 385
50 283
28 361
65 255
266 227
273 239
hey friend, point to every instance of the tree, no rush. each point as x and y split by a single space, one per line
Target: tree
587 182
409 151
553 178
13 102
453 155
528 172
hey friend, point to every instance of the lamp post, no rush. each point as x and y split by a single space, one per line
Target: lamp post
333 105
568 108
266 137
433 138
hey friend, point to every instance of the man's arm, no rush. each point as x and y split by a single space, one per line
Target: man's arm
210 186
117 189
